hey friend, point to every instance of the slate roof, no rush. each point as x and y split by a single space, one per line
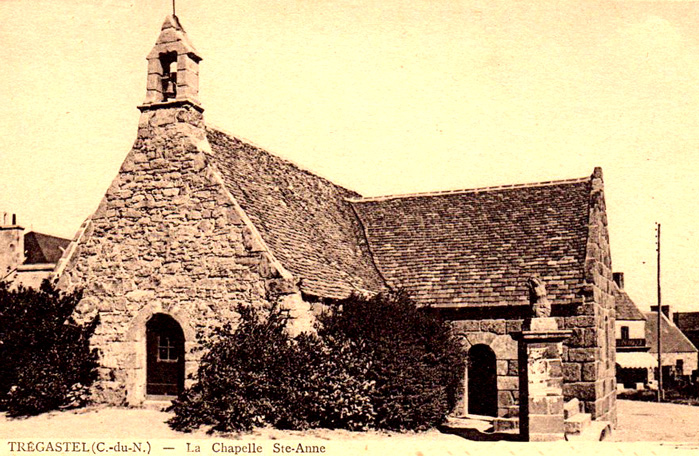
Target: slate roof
673 341
625 307
461 248
43 248
478 247
304 219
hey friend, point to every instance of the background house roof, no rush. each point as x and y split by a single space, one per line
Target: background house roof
687 320
304 219
625 307
43 248
688 323
478 247
673 341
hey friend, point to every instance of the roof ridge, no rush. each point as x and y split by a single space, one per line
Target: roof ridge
470 190
213 127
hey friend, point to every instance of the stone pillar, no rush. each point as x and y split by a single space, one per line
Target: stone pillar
541 380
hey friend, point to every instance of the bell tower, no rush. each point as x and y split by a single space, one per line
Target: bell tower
173 69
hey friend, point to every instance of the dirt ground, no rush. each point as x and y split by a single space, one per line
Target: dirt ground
638 421
120 423
650 421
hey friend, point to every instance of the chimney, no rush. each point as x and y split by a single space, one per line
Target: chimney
665 309
11 244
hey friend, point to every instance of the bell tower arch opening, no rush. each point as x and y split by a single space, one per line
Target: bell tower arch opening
168 62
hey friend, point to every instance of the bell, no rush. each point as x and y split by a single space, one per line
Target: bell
170 86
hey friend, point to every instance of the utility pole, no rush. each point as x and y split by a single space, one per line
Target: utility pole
660 312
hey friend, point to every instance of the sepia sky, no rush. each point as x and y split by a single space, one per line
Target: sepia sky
380 96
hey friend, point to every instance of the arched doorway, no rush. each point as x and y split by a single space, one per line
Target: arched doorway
482 381
164 356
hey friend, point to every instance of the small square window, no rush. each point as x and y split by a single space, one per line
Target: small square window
167 352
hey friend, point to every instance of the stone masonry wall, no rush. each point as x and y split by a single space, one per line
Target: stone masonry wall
589 356
166 238
579 352
689 361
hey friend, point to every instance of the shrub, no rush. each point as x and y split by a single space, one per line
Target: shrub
45 358
415 361
256 374
332 389
240 375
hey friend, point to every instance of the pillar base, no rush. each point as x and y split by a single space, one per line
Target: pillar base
541 381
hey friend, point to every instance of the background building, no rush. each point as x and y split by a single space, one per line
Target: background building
679 355
27 258
634 362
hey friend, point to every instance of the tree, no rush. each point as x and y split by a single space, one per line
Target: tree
45 357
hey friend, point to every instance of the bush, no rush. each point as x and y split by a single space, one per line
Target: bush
377 363
45 358
240 375
332 389
415 361
256 374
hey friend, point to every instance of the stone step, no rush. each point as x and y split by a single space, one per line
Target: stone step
472 416
506 424
572 408
480 428
157 404
576 424
466 422
597 431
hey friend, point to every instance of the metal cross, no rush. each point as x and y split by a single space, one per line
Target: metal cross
173 7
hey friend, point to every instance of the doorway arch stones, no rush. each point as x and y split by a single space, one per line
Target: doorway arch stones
136 342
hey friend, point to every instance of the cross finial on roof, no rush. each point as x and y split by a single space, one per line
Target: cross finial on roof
173 7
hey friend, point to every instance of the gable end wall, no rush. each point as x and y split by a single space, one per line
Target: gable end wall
166 238
589 356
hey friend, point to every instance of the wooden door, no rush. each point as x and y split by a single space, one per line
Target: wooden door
165 356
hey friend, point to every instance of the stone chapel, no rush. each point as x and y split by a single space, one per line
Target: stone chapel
197 221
